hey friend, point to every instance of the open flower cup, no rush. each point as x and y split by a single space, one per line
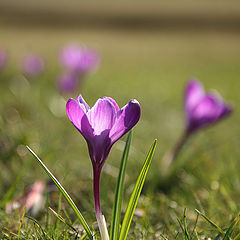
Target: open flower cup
201 110
101 126
79 59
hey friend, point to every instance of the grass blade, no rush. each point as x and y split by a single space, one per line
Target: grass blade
136 193
38 224
116 214
218 236
20 223
65 194
114 233
194 227
63 220
212 224
230 230
181 226
237 237
186 234
58 211
196 234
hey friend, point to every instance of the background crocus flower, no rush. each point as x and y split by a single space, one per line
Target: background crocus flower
3 59
79 59
67 82
101 126
202 108
32 65
33 199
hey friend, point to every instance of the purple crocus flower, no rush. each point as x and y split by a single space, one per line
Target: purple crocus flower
101 126
79 59
33 65
3 59
32 199
202 109
67 82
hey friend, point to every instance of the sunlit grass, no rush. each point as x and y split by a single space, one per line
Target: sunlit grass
153 68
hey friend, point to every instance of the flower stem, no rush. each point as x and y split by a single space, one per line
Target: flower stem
100 218
170 157
96 182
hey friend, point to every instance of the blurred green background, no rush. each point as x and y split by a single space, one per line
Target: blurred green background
149 49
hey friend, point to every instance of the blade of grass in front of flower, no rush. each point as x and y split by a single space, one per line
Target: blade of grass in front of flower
136 194
212 224
230 230
65 194
116 214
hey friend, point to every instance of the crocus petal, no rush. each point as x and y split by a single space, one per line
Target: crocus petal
80 59
102 116
113 102
226 110
194 93
76 112
127 119
90 61
208 108
208 111
82 101
69 56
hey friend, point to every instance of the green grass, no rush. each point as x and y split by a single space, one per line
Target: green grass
153 68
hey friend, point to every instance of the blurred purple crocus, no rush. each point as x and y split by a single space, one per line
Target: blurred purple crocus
79 59
33 65
101 126
33 199
3 59
201 110
67 82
